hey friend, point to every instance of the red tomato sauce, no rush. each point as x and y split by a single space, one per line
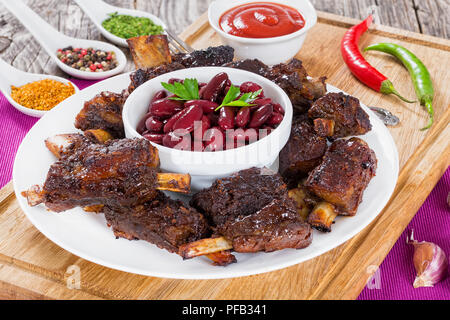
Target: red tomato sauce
261 20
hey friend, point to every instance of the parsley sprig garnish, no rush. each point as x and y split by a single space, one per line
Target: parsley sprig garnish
188 90
244 101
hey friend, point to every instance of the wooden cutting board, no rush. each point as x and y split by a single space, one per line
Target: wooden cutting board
32 267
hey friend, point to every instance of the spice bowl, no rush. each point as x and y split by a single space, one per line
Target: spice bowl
99 11
207 166
17 78
269 50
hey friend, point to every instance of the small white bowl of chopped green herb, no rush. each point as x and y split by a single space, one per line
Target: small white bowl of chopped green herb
119 24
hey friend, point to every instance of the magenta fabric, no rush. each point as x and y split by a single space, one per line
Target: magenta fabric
396 273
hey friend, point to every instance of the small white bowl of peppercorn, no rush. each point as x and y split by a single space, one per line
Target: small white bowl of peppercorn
210 121
119 24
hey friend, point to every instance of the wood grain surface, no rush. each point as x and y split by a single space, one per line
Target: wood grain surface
33 267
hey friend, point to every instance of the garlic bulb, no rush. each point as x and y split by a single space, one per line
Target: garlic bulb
430 262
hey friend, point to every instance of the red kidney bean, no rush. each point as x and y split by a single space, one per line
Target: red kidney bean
235 138
161 94
178 139
214 139
199 130
201 91
207 106
225 91
214 87
251 135
172 80
202 84
243 117
187 119
240 137
141 125
260 116
228 84
213 118
260 102
153 124
165 108
278 108
171 121
226 118
275 119
154 137
251 87
246 135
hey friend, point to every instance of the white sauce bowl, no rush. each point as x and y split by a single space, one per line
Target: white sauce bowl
269 50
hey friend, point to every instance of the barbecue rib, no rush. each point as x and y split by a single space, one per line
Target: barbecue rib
123 172
343 175
303 151
212 56
252 210
291 77
104 111
149 51
162 221
275 226
338 115
66 143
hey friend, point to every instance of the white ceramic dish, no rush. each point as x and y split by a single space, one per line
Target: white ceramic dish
268 50
15 77
52 40
205 167
98 11
87 236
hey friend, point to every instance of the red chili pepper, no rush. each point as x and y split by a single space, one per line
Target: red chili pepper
360 68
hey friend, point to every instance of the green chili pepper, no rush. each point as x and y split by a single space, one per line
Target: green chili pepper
419 74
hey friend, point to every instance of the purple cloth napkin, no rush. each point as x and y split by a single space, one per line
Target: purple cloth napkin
396 274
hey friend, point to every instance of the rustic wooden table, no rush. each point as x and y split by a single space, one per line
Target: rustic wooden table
19 48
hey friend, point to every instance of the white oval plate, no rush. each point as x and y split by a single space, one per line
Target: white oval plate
87 236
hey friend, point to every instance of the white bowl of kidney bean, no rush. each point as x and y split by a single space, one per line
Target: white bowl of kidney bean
210 121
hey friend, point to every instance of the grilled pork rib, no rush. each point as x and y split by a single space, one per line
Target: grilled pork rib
252 209
343 175
303 151
119 171
104 111
162 221
338 115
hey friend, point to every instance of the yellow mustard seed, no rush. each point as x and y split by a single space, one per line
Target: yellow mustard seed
42 94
